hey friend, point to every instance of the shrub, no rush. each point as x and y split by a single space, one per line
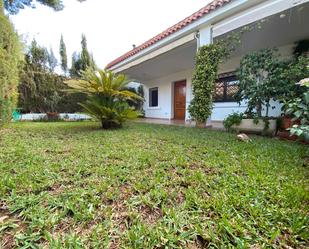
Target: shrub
260 75
205 73
52 116
40 88
10 57
233 119
203 81
106 97
137 104
296 70
299 109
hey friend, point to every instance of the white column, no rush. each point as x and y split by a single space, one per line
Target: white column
205 36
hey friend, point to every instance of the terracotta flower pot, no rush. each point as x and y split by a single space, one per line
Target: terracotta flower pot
287 123
52 116
286 135
200 124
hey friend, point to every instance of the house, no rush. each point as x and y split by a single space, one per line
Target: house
164 64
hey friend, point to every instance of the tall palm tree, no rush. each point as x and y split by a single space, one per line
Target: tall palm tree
106 96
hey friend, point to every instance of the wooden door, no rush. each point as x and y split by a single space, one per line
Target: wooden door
180 100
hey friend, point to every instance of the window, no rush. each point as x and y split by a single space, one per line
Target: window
226 88
153 97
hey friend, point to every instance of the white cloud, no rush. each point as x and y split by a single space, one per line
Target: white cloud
111 27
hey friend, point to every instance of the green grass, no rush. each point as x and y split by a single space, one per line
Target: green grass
72 185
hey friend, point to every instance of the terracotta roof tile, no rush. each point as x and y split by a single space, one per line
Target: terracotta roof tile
180 25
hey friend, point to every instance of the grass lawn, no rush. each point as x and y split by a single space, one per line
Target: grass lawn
72 185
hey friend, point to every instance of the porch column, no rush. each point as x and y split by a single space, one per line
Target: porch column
205 36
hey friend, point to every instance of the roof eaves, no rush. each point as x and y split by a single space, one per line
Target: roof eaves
178 26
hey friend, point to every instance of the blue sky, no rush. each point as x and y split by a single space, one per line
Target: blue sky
111 27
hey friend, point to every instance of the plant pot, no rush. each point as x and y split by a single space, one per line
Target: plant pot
287 122
250 126
52 116
200 124
286 135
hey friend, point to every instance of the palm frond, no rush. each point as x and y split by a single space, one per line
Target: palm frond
107 96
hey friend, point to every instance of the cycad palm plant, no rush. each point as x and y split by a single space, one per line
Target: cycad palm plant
106 97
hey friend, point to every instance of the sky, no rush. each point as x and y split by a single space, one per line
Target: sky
111 27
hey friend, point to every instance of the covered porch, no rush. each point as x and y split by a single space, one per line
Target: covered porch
166 72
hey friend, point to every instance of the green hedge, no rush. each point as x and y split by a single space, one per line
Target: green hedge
10 56
203 81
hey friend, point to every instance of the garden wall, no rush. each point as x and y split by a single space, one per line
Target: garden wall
63 116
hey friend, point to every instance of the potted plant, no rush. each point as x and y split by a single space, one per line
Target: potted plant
287 120
248 122
296 69
233 120
52 116
299 109
260 76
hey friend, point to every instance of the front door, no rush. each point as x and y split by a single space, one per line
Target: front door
180 100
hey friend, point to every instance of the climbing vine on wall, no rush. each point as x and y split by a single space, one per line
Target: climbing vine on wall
205 74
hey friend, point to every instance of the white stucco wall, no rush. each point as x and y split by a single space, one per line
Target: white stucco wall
220 111
205 36
165 86
233 63
66 116
223 109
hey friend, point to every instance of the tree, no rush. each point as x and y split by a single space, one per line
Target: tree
37 87
137 104
82 61
41 89
10 58
85 56
74 65
260 76
52 60
10 53
13 6
106 96
38 56
63 56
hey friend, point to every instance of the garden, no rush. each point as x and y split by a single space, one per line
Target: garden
111 182
70 185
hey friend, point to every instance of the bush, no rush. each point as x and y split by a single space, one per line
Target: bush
203 81
137 104
52 116
299 109
107 97
260 76
233 119
40 88
10 58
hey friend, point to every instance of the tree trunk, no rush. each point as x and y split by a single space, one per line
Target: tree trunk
106 124
267 108
259 109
